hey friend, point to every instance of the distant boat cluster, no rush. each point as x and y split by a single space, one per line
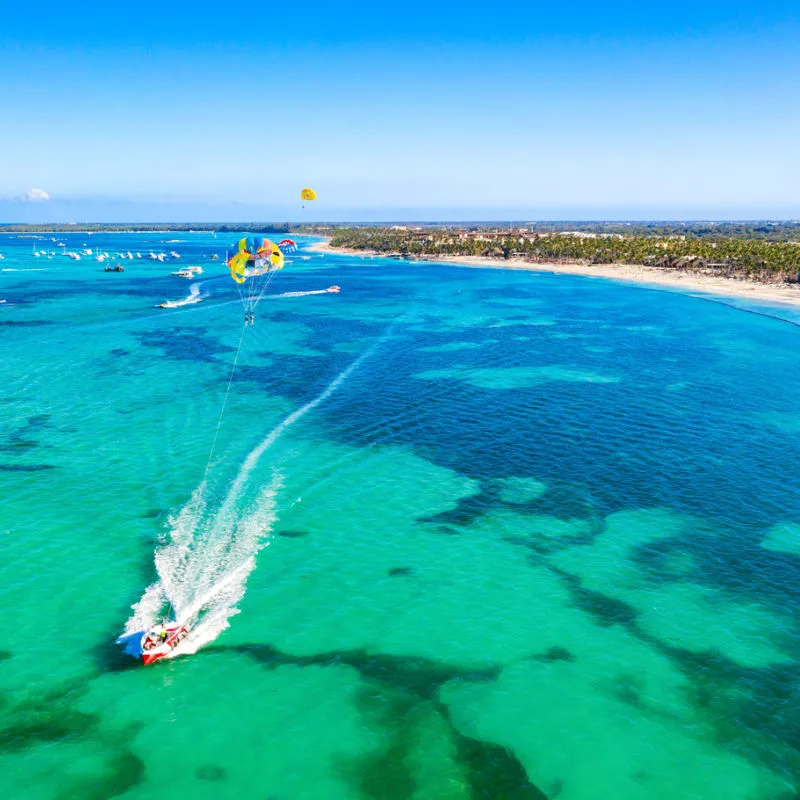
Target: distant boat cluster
100 255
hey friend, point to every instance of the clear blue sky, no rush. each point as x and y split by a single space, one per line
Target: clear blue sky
193 111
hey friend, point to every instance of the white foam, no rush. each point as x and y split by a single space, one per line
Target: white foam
207 555
300 294
194 296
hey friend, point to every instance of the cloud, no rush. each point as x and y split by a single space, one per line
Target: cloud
35 196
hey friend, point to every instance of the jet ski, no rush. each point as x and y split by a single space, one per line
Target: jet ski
161 640
333 289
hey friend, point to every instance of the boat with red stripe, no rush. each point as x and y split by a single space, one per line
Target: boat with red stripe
161 640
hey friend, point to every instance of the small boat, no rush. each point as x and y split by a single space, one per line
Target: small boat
161 640
214 257
174 254
182 273
118 268
195 270
333 289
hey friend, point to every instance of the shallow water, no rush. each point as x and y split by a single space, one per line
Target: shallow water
465 533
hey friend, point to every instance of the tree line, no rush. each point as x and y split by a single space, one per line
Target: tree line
759 259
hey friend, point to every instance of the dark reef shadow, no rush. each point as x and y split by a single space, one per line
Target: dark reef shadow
405 685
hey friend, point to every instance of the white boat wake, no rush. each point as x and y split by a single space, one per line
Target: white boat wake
194 296
208 553
303 294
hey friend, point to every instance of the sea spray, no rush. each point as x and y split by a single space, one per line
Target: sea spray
207 555
202 567
193 297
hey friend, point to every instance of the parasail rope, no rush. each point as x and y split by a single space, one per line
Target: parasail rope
224 403
264 288
241 296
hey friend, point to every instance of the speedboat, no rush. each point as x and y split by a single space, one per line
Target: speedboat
182 273
161 640
333 289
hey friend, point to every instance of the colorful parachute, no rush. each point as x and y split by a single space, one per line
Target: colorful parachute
287 246
308 194
253 262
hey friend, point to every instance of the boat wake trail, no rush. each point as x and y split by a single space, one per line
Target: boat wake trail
305 294
193 297
209 551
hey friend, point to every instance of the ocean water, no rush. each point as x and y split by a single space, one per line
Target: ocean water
465 533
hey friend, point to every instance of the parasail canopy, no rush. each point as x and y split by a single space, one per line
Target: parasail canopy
308 194
252 257
253 262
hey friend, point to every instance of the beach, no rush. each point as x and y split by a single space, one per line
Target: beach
684 281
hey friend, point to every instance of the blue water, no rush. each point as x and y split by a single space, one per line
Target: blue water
465 533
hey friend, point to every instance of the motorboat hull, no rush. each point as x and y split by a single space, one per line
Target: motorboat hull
175 633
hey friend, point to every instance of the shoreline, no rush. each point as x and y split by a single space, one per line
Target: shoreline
782 293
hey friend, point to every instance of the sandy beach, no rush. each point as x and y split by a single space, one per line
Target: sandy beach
669 279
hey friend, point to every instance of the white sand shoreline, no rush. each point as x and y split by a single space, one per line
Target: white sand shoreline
780 293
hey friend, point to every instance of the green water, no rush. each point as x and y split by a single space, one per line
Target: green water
465 534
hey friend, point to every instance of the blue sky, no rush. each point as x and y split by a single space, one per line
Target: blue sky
191 111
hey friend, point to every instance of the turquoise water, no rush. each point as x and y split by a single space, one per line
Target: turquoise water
465 533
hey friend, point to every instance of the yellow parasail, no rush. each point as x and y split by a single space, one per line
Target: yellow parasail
308 194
